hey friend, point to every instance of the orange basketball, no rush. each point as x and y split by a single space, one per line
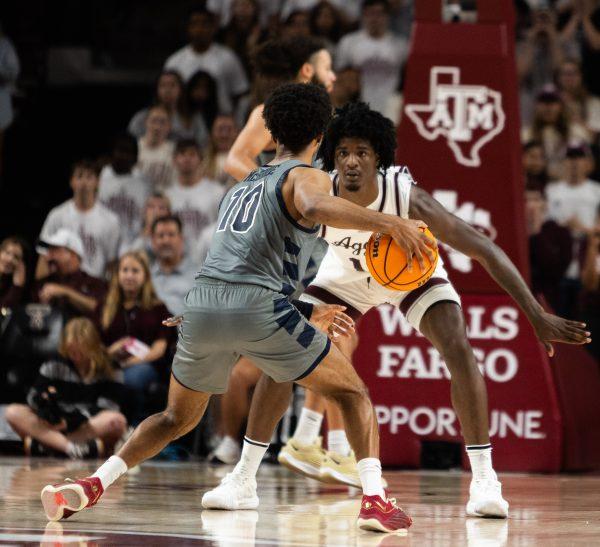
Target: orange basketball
387 263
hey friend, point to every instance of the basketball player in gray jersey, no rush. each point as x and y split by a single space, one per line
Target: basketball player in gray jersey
266 229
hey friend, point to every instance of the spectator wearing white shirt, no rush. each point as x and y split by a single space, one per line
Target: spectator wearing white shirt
202 53
155 158
573 202
173 272
194 198
376 52
97 226
123 189
171 93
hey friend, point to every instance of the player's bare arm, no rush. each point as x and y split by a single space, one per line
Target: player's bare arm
251 141
466 239
309 198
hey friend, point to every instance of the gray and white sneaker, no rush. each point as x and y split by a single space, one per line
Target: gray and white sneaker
236 491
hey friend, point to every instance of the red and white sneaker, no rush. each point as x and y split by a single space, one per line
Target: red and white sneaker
378 515
60 501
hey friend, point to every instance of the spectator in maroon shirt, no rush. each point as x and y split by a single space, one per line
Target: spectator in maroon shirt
67 286
131 323
13 271
550 247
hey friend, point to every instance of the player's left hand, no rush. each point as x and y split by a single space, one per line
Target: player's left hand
330 318
551 328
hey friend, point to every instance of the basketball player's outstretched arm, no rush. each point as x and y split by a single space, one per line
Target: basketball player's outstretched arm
311 199
466 239
252 140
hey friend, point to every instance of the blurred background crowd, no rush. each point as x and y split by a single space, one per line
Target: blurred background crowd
114 134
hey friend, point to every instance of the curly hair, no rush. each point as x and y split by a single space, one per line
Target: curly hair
357 120
296 114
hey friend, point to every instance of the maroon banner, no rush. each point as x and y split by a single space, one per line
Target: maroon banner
410 386
459 132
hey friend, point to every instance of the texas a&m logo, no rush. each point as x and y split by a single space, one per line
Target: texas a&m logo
477 217
467 116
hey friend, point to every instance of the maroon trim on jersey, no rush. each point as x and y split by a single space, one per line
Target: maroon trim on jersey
323 230
327 298
334 184
415 294
396 193
383 193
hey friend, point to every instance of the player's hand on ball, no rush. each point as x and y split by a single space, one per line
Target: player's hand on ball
409 235
173 321
330 318
551 328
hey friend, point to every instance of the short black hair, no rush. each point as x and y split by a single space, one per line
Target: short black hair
296 114
283 58
532 144
127 142
86 164
200 8
357 120
185 144
369 3
165 219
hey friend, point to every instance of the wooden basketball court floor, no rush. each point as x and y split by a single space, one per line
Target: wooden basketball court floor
160 505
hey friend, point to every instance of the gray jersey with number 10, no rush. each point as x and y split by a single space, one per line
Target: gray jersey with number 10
257 241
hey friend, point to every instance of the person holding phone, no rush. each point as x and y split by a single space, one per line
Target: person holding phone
13 271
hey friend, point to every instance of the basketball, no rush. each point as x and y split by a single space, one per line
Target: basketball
387 263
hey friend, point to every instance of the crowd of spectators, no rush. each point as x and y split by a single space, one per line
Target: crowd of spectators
117 258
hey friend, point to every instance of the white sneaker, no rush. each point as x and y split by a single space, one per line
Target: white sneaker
236 491
486 499
227 452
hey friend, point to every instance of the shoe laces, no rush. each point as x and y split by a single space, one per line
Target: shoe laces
236 478
488 483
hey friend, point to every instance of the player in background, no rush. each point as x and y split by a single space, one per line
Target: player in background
268 225
359 147
303 59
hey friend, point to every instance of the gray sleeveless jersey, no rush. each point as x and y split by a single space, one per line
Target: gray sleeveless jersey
257 241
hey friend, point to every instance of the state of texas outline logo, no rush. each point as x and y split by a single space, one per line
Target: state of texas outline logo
467 116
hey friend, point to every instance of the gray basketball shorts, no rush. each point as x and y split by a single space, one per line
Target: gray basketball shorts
223 321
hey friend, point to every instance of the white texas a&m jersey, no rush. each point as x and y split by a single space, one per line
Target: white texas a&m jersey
347 247
343 277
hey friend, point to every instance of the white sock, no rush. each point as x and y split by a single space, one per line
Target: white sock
252 454
338 442
369 470
228 445
480 457
110 471
309 426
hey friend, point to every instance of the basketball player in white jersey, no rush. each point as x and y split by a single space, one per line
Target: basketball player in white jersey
359 147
